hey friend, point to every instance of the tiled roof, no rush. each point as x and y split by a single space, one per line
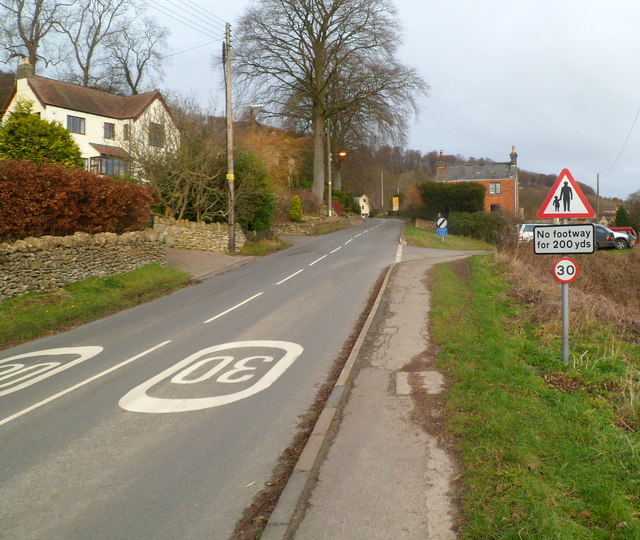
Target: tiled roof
7 84
88 100
476 171
112 151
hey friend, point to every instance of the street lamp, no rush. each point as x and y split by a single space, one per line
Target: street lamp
341 154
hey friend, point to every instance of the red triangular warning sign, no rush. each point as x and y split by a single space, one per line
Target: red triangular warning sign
566 200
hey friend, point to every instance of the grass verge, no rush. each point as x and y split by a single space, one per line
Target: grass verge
428 239
38 313
547 450
263 247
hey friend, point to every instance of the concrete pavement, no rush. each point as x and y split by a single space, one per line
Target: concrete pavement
374 467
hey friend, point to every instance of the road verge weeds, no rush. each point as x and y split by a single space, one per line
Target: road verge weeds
39 313
547 450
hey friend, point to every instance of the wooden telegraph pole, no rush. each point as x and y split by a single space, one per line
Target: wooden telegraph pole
231 201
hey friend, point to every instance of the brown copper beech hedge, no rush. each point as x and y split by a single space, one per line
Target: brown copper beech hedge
42 199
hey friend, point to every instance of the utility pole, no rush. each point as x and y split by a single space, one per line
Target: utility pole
231 201
382 189
329 166
597 195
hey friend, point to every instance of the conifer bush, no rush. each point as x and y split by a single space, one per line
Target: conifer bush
295 213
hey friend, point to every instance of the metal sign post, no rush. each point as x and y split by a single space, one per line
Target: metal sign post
441 224
565 239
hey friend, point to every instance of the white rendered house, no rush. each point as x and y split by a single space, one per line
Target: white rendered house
102 124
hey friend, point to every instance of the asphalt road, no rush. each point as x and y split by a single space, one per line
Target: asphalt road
165 420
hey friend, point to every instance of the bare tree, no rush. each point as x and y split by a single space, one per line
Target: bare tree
187 174
87 26
25 25
137 51
296 53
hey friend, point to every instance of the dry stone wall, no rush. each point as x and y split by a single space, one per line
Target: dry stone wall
183 234
36 264
427 225
311 226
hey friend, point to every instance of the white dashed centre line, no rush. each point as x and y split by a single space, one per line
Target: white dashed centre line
336 249
232 308
317 260
289 277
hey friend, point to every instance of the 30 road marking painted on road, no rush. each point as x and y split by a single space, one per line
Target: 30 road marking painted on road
289 277
245 367
232 308
16 375
80 384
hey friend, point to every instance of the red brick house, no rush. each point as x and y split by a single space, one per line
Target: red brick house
499 179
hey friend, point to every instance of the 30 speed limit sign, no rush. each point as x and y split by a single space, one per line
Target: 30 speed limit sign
565 270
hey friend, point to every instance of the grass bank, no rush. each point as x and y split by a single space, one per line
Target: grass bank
547 450
428 239
36 314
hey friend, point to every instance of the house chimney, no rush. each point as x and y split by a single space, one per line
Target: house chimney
441 157
25 69
514 156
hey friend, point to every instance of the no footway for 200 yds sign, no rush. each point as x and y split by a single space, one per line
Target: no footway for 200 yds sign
564 239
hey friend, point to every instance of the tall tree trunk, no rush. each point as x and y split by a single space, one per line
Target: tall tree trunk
318 153
337 175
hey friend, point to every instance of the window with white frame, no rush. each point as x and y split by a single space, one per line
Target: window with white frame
495 188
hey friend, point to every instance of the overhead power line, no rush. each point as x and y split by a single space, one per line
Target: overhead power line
194 25
212 16
624 144
195 14
205 44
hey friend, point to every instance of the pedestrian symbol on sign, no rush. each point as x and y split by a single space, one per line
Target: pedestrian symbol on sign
566 192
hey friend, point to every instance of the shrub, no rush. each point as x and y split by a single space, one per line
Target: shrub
338 210
26 136
622 217
255 197
40 199
295 213
488 227
347 201
309 202
439 197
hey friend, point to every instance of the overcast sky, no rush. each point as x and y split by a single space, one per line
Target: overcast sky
558 79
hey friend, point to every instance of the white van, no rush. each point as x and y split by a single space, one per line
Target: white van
525 231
